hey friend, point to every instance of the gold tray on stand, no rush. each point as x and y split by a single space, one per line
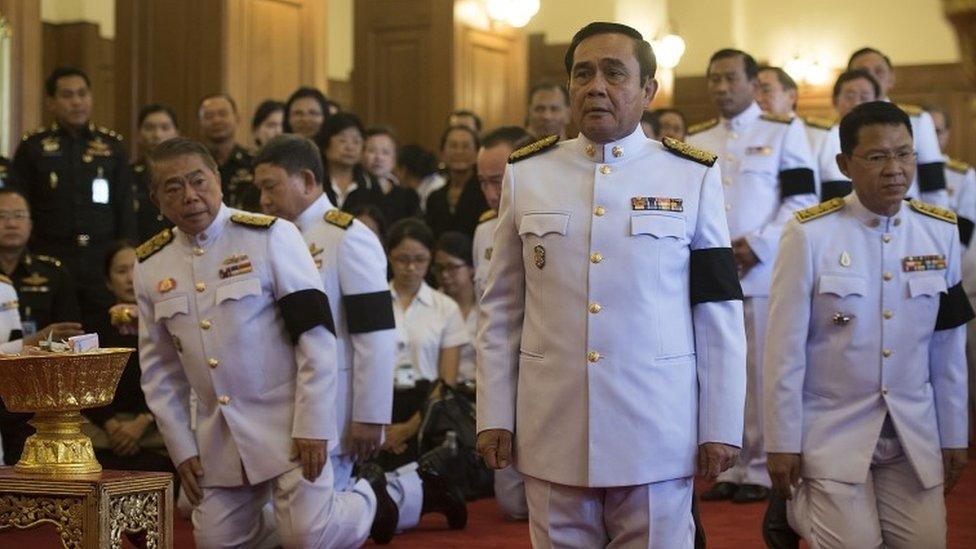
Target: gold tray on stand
56 387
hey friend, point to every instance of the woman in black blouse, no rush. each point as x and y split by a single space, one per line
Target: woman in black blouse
457 205
380 159
346 182
124 433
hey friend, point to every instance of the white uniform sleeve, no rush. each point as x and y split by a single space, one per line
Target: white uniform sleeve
966 207
720 339
500 320
796 185
369 316
297 287
455 331
947 357
930 176
785 356
164 382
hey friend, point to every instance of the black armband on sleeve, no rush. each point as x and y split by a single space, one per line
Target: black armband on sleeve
713 276
796 181
304 310
954 309
15 335
931 177
965 229
369 312
835 189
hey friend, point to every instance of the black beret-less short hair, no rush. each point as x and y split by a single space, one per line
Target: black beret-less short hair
848 76
869 114
292 153
865 51
51 84
174 148
642 49
748 61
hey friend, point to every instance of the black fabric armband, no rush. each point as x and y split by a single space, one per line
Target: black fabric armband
838 188
304 310
369 312
954 309
931 177
713 276
796 181
15 335
965 229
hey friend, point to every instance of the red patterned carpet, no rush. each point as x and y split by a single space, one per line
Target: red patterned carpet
728 526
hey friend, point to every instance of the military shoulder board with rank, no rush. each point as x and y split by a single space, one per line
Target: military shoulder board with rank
685 150
487 216
29 134
780 118
533 149
910 110
818 122
934 211
957 166
6 279
48 259
820 210
702 126
338 218
253 220
154 244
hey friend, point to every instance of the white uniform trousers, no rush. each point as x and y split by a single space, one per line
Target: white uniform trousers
751 467
656 515
308 514
510 493
403 485
891 509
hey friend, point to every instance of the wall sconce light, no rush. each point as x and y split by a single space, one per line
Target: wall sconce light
668 50
809 72
515 13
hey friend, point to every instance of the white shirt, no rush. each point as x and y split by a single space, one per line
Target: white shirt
340 195
11 334
467 368
432 322
430 184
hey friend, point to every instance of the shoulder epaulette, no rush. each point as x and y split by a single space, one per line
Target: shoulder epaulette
910 109
338 218
819 122
533 149
702 126
29 134
685 150
820 210
154 244
957 165
48 259
5 278
110 133
780 118
253 220
934 211
488 216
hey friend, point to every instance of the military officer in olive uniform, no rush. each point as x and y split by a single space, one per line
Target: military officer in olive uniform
865 367
218 123
232 307
78 183
611 349
157 123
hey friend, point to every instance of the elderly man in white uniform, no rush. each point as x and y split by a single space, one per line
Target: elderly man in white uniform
865 389
231 306
611 354
766 175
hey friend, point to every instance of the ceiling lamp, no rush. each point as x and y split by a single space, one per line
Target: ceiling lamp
516 13
669 50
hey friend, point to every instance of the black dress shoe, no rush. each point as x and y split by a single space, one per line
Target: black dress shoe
750 493
720 491
440 494
387 514
776 528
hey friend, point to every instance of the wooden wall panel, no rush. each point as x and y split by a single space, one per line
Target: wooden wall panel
26 78
491 75
403 70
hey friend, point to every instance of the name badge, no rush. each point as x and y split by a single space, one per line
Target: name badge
100 190
760 150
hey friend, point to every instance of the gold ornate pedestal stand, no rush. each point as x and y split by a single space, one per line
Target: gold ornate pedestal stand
57 479
92 512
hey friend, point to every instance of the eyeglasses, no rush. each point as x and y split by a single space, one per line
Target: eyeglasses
879 160
447 269
407 260
16 215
